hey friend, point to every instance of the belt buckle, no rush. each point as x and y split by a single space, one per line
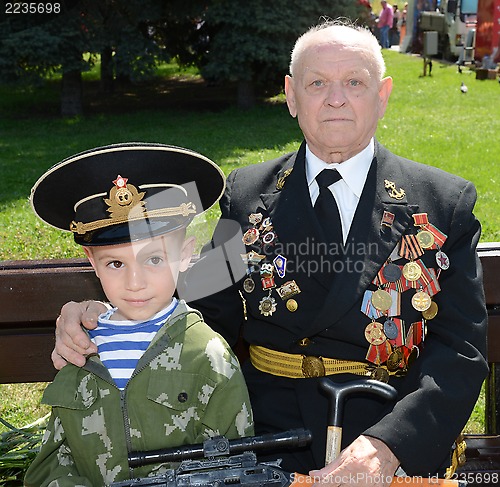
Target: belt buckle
313 367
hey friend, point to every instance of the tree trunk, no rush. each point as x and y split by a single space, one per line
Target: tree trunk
107 81
71 94
246 94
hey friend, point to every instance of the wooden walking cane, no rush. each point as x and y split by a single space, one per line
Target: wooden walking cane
337 394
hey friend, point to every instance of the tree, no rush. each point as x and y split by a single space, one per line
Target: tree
250 42
36 45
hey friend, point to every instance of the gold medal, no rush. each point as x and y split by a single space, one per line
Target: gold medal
381 300
412 271
396 358
431 312
380 374
292 305
374 333
425 239
421 301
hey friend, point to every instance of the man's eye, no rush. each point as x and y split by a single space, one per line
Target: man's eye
317 83
354 82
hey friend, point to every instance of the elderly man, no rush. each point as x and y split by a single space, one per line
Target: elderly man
360 263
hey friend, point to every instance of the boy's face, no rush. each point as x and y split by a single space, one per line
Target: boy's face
140 278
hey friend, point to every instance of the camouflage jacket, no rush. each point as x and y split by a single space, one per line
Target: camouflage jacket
187 386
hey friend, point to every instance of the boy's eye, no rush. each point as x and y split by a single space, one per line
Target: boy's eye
155 260
116 264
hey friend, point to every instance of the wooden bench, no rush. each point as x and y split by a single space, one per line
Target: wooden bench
32 293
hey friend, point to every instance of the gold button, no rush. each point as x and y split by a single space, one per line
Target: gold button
291 305
305 342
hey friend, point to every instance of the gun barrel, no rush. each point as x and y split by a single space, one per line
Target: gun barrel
288 439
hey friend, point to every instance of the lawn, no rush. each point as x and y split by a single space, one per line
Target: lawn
428 120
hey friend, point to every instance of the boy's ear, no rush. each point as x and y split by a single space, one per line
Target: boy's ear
88 253
186 253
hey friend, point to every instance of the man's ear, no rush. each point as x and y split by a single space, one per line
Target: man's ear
186 253
290 95
90 256
384 93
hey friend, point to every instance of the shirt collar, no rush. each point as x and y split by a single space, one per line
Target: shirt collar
353 171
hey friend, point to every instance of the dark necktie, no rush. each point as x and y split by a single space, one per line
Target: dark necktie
326 207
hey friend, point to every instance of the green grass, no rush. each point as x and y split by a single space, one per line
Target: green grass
428 120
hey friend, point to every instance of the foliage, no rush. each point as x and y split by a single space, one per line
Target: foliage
18 448
253 40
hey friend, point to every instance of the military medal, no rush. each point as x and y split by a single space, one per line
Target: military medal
425 239
421 301
248 285
292 305
387 219
268 283
287 290
267 305
266 270
251 236
442 260
268 237
412 271
395 360
279 263
431 312
380 374
391 272
255 218
374 333
252 257
381 300
390 329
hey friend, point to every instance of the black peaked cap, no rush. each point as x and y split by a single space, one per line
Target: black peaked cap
85 193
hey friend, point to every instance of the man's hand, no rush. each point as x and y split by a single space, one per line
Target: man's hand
366 461
72 343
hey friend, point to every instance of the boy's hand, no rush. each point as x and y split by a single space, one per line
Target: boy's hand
72 343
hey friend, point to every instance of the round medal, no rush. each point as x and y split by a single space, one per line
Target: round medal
412 357
381 300
267 305
395 359
442 260
248 285
425 239
251 236
374 333
430 313
412 271
292 305
421 301
391 272
390 329
380 374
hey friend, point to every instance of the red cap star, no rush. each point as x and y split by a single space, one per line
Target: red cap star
120 182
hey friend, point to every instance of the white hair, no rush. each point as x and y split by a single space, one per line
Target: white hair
339 32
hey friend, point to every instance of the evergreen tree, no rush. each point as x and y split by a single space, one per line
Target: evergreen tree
250 42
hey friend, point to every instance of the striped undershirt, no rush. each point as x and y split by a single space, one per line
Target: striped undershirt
120 344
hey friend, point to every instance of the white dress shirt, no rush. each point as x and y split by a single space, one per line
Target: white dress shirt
346 191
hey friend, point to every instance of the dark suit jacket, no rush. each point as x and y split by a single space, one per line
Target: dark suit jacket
439 391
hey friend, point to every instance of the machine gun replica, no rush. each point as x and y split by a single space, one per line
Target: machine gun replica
219 462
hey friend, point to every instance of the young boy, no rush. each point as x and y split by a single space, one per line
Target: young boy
162 377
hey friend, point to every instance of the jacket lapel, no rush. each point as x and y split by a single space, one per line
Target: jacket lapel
369 242
291 211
